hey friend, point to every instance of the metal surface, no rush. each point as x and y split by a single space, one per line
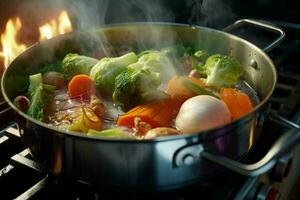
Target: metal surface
249 190
269 160
33 190
267 193
283 144
282 168
139 165
263 25
283 121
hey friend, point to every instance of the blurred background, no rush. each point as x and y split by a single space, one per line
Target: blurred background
35 20
212 13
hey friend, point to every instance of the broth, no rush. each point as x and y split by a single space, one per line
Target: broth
80 113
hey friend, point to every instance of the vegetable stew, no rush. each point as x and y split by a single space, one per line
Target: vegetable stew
139 95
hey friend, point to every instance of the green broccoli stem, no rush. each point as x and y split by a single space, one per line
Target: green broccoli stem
196 88
34 81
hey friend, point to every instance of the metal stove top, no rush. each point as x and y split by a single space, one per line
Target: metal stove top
22 178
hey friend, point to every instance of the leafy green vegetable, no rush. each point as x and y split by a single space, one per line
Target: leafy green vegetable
161 62
156 61
74 64
121 133
135 86
221 71
107 69
34 81
39 98
190 85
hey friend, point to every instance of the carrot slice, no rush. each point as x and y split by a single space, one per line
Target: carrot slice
176 89
156 114
237 102
80 85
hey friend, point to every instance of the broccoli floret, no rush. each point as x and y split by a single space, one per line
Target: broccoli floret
153 60
74 64
105 72
156 61
221 71
135 86
198 59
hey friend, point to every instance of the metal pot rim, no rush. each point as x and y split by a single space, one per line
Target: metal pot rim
204 135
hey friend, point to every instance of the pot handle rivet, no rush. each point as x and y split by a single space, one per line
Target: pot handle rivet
189 159
253 64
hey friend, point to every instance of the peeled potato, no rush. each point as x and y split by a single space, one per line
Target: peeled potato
200 113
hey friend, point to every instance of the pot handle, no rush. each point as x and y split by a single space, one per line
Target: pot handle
281 146
262 25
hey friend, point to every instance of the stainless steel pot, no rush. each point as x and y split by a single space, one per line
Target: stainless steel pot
164 163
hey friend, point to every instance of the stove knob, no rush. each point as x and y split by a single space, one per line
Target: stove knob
267 193
281 169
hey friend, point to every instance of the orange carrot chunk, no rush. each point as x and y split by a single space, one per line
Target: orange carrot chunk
156 114
176 88
81 85
238 103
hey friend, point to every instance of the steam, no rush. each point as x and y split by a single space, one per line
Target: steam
98 13
88 14
95 13
213 13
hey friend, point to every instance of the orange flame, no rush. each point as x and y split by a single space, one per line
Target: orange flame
53 28
10 46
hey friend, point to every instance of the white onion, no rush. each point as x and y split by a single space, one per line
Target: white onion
201 113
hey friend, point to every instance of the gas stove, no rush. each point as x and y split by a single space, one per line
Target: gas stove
22 178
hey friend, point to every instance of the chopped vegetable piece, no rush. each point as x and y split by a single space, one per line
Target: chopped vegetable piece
97 106
200 113
221 71
54 78
161 131
198 59
195 88
182 87
136 86
39 98
120 132
156 61
201 55
81 85
105 72
237 102
86 120
74 64
140 127
156 114
34 81
177 90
